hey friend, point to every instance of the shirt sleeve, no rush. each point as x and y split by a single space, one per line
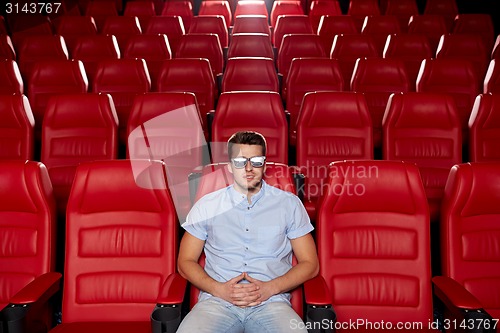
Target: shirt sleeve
299 224
196 223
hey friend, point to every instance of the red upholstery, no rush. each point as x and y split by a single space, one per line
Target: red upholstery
100 10
190 75
319 8
202 46
171 26
92 49
492 78
495 53
332 126
484 129
298 46
123 79
11 81
25 25
217 8
7 48
260 111
291 24
16 128
411 49
403 10
143 10
465 46
285 7
251 7
53 77
122 246
374 248
122 27
154 49
446 8
76 128
72 27
359 9
184 9
377 79
379 27
250 45
330 26
480 24
347 49
469 231
27 229
211 24
452 76
251 24
433 26
167 126
434 146
250 73
307 75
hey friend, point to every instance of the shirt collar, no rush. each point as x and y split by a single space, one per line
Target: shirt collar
241 199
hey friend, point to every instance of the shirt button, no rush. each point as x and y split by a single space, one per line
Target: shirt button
246 248
246 229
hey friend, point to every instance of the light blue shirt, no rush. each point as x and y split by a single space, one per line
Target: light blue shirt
248 237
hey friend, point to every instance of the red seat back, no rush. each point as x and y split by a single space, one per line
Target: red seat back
171 26
72 27
403 10
359 9
285 7
250 73
184 9
16 124
291 24
11 81
446 8
100 10
143 10
492 78
250 45
318 8
380 27
211 24
480 24
122 27
433 26
298 46
484 125
202 46
7 48
217 8
251 24
251 7
330 26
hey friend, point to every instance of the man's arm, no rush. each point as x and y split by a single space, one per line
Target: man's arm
307 267
189 268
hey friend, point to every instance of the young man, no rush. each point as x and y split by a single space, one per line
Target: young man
248 232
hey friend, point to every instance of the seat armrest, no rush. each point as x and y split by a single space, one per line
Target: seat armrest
320 316
166 316
173 290
38 290
453 294
317 292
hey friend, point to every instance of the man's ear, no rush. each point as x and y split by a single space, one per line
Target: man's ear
229 168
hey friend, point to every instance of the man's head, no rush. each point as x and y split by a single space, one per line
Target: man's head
246 151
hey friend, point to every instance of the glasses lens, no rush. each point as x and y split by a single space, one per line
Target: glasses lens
239 162
257 161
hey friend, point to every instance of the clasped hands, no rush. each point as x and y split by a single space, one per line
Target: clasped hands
245 294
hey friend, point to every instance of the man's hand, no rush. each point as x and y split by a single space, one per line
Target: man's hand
239 294
266 289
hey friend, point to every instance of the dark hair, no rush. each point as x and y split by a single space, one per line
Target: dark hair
246 138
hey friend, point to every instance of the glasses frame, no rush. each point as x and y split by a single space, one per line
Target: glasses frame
249 159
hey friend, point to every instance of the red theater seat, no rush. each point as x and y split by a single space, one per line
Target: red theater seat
480 24
214 7
100 10
202 46
251 24
469 221
433 26
76 128
298 46
211 24
285 7
377 79
330 26
484 129
11 81
122 27
332 126
403 10
291 24
492 78
250 73
446 8
143 10
7 48
27 257
171 26
72 27
424 128
495 53
184 9
320 8
379 27
16 128
260 111
121 238
251 7
250 45
374 248
359 9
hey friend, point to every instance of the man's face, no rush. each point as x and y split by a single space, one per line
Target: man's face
247 180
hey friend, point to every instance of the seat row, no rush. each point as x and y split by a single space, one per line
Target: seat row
121 235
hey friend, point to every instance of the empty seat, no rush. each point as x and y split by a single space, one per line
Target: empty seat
100 10
330 26
291 24
214 7
7 48
184 9
171 26
403 10
359 9
298 46
24 25
379 27
11 81
411 49
446 8
123 79
76 128
495 53
202 46
319 8
484 129
424 128
465 46
309 75
250 73
16 128
190 75
211 24
250 45
285 7
456 77
27 259
433 26
332 126
377 267
377 79
251 24
480 24
167 127
251 7
492 78
122 27
468 223
257 111
143 10
72 27
92 49
154 49
122 246
347 49
53 77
